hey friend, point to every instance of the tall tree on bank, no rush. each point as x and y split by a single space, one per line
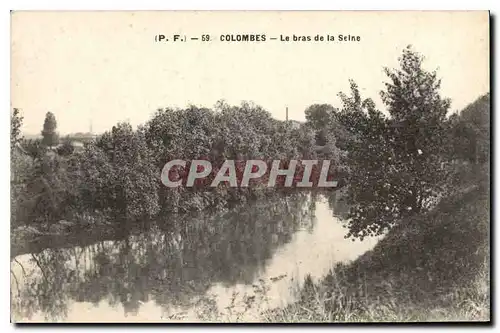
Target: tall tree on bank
50 136
16 121
419 127
395 162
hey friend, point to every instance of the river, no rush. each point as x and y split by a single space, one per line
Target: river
224 267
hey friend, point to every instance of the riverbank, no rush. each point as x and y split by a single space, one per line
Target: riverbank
86 230
33 239
433 267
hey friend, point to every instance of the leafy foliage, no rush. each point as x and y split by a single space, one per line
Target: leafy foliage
16 121
118 174
470 132
394 161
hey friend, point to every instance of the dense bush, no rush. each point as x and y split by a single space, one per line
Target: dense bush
118 174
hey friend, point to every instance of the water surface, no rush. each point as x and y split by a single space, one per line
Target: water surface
221 267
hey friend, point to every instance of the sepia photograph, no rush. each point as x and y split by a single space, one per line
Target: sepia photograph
250 167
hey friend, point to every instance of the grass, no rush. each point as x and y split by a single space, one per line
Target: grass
433 267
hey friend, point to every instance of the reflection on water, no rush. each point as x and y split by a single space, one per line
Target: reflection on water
255 255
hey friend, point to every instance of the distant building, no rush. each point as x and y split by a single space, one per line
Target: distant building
294 124
78 145
82 137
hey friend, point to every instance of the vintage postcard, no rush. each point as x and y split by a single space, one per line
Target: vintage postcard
250 166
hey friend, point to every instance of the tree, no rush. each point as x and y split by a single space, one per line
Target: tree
51 191
367 158
124 177
395 162
319 116
50 136
418 125
16 121
470 132
20 166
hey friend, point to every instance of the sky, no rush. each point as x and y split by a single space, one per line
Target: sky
100 68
